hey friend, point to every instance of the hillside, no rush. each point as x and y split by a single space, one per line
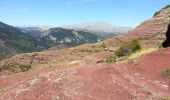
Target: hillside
13 41
68 37
151 32
82 72
32 31
101 29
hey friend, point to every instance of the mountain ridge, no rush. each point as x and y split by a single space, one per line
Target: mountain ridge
99 28
15 40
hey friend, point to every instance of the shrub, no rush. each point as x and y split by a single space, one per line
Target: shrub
25 67
103 45
111 59
93 46
128 48
166 73
159 45
86 50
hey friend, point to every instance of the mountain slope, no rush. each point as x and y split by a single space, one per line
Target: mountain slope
150 32
79 73
69 37
35 31
14 41
101 29
32 31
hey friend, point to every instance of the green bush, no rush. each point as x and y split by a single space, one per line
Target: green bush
25 67
128 48
111 59
159 45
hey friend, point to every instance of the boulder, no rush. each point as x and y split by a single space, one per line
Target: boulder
166 43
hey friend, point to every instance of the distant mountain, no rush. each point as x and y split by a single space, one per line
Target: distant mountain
100 28
32 31
13 40
69 37
35 31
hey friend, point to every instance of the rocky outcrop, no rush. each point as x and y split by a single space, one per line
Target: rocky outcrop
166 43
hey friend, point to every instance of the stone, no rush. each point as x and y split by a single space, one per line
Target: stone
166 43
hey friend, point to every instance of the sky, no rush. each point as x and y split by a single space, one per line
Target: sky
66 12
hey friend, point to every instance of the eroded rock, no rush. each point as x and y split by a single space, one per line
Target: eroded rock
166 43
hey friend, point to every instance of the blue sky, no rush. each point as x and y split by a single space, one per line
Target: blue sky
58 12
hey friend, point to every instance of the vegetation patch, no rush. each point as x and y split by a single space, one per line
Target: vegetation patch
2 89
103 45
159 45
111 59
141 52
130 51
165 98
25 68
128 48
86 50
166 73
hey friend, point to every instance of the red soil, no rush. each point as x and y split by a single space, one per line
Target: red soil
92 81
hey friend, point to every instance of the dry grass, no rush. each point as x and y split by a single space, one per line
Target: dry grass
75 62
2 89
165 98
141 52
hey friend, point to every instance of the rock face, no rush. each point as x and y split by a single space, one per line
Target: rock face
166 43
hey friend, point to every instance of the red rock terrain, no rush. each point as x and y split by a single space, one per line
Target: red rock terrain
75 74
91 81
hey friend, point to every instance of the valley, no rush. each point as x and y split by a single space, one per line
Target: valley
16 40
76 64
